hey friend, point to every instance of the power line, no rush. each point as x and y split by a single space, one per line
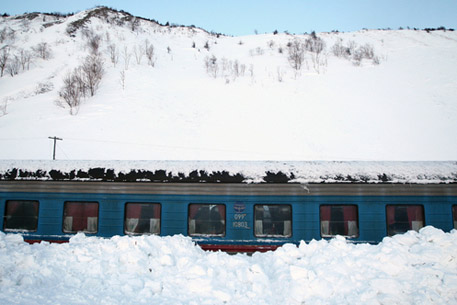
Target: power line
201 148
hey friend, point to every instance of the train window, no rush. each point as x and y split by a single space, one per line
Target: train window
21 215
80 217
401 218
273 220
454 213
142 218
206 220
339 220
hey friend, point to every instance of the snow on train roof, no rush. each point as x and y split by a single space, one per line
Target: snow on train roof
232 171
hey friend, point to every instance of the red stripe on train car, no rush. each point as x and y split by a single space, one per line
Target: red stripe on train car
239 248
34 241
212 247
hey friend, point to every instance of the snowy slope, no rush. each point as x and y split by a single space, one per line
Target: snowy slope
404 108
412 268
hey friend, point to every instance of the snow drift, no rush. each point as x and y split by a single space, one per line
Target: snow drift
412 268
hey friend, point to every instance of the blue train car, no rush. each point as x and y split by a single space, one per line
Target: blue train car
224 216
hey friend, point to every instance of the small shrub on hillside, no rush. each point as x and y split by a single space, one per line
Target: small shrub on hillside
211 65
355 53
296 54
44 87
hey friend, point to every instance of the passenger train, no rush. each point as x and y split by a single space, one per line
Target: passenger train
233 217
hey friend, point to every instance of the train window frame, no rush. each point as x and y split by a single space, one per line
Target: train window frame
259 224
155 223
392 232
192 222
454 216
7 218
89 222
348 225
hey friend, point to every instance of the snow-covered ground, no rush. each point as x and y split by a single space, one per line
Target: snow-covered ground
400 107
412 268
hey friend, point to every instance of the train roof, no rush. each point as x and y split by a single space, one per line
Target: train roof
427 172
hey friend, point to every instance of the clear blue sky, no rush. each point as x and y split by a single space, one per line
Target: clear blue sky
244 17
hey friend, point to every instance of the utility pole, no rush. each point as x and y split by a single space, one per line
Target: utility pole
55 140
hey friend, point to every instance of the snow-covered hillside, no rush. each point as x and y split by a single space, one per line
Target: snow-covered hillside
204 96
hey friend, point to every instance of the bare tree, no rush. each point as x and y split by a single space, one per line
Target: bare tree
367 51
43 50
78 75
92 70
122 79
3 107
13 66
315 45
25 58
139 52
126 55
134 23
7 33
339 50
114 53
4 55
211 65
83 80
296 54
71 92
149 49
94 43
3 34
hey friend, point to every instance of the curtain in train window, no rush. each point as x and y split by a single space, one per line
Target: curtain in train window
273 220
20 215
339 220
401 218
142 218
454 213
206 220
80 217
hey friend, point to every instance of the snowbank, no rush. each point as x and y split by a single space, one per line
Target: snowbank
413 268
